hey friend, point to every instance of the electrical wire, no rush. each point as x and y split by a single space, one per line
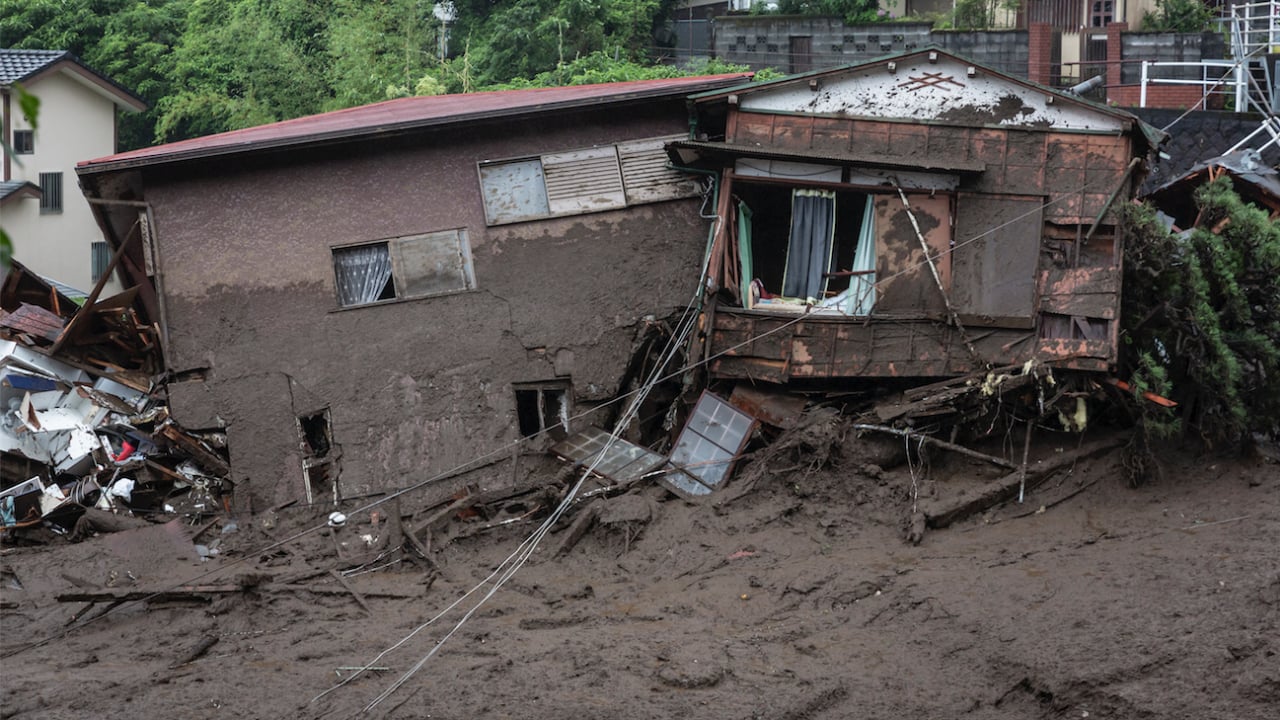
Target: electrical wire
465 466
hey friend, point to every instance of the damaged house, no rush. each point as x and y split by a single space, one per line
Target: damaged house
365 298
914 217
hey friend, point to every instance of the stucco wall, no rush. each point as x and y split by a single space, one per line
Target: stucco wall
419 386
75 123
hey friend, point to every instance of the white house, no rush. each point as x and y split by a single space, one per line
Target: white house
41 206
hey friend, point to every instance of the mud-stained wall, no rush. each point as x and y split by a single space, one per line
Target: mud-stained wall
419 386
1008 241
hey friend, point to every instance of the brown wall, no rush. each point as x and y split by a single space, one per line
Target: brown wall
419 386
1004 244
1076 170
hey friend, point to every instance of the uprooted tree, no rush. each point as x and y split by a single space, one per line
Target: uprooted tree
1201 319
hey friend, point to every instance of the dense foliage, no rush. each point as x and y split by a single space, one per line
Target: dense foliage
206 66
1183 16
1202 318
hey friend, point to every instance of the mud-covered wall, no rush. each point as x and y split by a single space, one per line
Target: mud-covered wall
418 386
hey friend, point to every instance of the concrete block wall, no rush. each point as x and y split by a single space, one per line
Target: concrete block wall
1005 50
1167 47
762 41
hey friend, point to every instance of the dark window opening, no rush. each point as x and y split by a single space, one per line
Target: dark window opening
804 247
1074 327
543 408
24 142
319 485
51 189
315 434
1100 13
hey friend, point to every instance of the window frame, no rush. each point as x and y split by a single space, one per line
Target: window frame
24 148
543 391
400 274
99 259
609 194
51 193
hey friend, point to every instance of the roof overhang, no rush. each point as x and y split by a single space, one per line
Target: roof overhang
691 153
12 192
91 80
374 123
736 95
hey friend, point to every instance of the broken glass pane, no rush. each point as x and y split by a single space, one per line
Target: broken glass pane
708 446
623 461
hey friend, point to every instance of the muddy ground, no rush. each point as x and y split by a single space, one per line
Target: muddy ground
797 598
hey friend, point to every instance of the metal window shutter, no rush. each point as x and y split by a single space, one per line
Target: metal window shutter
583 181
646 175
430 264
513 191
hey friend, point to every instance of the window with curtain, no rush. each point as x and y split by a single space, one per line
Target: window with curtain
405 267
813 228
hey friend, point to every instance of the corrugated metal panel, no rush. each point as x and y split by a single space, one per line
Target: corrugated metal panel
646 175
583 180
513 191
429 264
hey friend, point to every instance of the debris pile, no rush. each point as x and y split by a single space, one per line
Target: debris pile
83 424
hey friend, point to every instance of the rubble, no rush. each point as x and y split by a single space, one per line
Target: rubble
85 434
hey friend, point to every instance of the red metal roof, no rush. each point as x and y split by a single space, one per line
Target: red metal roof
406 114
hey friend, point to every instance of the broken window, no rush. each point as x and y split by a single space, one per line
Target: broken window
580 181
404 267
319 476
543 407
711 442
806 248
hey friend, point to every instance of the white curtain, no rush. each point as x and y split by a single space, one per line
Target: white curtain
862 295
362 273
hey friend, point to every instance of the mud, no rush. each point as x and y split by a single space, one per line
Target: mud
794 597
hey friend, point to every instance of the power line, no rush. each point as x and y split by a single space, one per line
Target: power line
475 462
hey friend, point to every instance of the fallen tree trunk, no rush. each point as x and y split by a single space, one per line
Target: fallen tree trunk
941 513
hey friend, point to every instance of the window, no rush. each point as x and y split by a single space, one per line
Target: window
404 267
804 249
543 407
51 189
100 259
319 474
24 142
1064 15
1100 13
580 181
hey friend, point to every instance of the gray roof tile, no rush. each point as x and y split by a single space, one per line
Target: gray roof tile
15 65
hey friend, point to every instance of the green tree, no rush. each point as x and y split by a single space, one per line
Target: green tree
237 65
1183 16
852 11
1201 317
380 49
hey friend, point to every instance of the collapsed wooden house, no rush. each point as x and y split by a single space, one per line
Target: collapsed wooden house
919 216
